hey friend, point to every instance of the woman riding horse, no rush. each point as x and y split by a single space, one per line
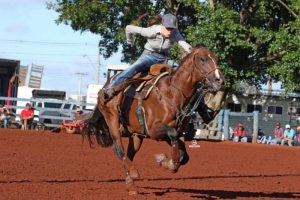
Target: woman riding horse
160 37
162 109
163 106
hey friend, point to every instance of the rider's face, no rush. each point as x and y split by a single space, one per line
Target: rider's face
166 32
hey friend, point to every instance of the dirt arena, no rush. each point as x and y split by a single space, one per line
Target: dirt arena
43 165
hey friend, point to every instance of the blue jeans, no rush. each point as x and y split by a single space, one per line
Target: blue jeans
296 143
237 139
142 64
5 123
283 142
275 141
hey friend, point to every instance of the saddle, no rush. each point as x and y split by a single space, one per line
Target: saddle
143 88
139 87
146 83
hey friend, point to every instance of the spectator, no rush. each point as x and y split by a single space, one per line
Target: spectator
4 112
288 135
278 134
260 133
27 116
79 114
239 133
297 137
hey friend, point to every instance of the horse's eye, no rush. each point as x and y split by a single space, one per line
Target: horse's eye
203 59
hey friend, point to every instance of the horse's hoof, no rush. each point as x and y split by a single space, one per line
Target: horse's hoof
130 187
170 165
132 192
134 173
160 158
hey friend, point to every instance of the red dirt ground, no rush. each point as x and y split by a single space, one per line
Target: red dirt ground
43 165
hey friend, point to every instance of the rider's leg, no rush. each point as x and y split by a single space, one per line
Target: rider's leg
172 63
143 63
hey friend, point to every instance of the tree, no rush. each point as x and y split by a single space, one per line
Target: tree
254 39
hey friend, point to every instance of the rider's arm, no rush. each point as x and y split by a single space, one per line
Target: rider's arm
149 32
182 43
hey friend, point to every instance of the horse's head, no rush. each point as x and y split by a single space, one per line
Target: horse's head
207 71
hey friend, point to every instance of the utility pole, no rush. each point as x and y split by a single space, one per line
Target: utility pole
98 69
80 75
97 66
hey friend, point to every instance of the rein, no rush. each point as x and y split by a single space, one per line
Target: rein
195 100
190 107
206 75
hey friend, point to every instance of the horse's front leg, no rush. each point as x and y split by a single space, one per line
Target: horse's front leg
173 162
179 155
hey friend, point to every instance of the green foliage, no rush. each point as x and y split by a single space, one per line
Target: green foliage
252 38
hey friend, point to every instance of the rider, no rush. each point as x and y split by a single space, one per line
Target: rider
160 37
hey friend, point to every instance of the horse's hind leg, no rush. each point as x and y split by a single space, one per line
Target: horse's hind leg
114 129
127 164
134 145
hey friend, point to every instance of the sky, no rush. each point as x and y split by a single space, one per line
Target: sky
28 33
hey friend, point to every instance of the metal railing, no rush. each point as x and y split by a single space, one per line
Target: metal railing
65 112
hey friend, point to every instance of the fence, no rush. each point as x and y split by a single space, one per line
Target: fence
228 115
67 110
51 117
224 121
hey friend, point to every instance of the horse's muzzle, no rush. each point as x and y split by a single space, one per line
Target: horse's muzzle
217 85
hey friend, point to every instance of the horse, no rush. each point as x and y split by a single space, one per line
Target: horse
163 110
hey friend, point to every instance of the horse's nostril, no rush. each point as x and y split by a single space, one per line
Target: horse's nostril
219 81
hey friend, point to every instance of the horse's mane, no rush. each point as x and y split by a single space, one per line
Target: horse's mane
198 46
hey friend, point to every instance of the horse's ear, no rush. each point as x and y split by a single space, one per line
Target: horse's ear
193 49
201 45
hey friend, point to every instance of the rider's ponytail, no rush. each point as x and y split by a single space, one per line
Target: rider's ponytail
154 20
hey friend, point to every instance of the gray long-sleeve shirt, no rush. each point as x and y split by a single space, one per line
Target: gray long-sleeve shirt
155 41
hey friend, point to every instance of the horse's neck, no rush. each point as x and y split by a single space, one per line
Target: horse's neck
183 79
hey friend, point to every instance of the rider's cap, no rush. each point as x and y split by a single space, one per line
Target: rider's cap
169 21
287 126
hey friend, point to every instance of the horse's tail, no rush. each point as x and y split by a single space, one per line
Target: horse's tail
95 128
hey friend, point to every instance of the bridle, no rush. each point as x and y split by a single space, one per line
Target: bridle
197 97
215 70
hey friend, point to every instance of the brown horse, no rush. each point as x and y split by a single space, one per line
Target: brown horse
163 113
